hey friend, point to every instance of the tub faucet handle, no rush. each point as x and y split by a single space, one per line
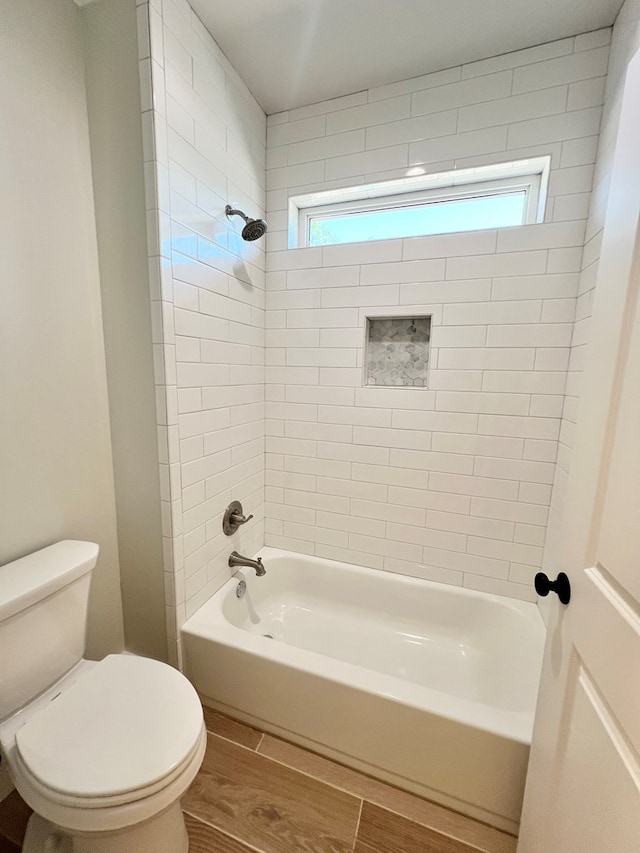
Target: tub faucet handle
233 517
238 518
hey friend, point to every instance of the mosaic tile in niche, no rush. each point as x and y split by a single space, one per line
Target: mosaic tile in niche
398 351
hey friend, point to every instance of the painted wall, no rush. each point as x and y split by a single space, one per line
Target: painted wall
56 478
204 138
452 483
113 97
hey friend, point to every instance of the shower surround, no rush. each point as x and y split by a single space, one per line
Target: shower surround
450 482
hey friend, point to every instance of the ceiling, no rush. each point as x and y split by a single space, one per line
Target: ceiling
296 52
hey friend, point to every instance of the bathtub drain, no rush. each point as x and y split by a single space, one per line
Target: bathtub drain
269 636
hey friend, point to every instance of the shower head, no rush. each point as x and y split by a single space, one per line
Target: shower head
253 229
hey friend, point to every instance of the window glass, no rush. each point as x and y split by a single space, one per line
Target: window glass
497 210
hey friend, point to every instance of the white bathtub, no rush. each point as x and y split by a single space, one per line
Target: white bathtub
427 686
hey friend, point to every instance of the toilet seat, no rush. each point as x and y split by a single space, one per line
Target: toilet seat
84 803
76 817
123 731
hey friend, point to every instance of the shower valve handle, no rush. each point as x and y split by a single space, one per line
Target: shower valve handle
238 518
560 586
233 517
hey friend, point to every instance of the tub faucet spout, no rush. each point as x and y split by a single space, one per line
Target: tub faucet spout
236 560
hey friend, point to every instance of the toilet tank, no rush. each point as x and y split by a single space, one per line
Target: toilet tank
43 614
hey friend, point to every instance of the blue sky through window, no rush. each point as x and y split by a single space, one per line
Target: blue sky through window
438 217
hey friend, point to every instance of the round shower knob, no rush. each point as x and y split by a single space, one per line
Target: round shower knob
560 586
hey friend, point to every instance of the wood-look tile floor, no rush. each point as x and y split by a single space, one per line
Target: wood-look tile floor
14 814
256 793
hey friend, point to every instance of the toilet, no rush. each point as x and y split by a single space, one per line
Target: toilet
101 751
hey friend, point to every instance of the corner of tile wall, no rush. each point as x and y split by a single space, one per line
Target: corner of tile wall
204 140
624 43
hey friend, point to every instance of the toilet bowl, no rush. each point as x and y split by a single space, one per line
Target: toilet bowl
105 752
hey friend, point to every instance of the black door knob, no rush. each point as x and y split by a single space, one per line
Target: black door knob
560 586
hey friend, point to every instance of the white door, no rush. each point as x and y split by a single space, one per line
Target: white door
583 787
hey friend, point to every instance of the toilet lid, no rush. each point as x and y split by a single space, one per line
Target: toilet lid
124 725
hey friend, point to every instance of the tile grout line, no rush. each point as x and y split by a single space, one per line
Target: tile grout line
235 742
223 832
355 838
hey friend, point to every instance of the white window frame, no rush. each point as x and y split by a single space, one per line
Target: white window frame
530 176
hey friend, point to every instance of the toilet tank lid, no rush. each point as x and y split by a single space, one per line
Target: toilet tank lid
36 576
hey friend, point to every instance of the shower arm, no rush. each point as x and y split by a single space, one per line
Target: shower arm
253 228
230 211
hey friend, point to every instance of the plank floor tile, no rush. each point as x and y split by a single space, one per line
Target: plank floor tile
206 839
386 832
478 835
271 807
363 848
219 724
14 815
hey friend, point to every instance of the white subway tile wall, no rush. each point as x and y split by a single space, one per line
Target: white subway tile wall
625 42
453 482
461 482
204 144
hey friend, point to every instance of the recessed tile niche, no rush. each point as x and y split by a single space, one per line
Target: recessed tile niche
397 351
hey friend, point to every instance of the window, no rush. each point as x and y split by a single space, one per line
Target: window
498 196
